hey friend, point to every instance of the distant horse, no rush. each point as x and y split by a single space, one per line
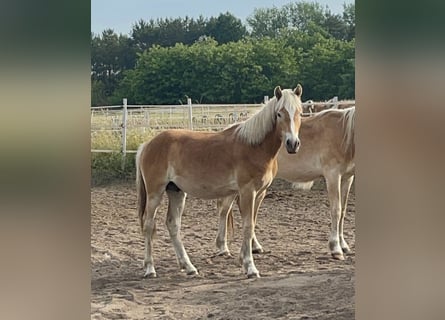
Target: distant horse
243 115
219 119
346 104
242 159
330 104
308 106
233 117
327 150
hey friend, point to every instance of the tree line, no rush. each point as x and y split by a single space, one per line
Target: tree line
221 60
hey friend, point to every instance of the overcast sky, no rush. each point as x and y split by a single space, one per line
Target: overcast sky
120 15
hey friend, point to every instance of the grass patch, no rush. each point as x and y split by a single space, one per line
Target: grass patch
112 167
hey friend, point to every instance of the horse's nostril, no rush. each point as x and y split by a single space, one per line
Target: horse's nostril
288 143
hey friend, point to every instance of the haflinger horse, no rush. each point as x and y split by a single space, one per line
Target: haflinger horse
242 159
327 150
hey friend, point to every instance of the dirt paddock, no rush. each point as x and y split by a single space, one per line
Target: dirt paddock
299 280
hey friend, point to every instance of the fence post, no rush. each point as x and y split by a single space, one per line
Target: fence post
266 99
335 100
189 102
124 132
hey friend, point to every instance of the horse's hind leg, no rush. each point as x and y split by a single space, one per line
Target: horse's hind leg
345 188
149 229
333 186
224 206
173 221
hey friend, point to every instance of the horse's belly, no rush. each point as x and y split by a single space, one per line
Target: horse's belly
299 174
206 189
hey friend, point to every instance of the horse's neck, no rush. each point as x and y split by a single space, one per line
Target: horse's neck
272 142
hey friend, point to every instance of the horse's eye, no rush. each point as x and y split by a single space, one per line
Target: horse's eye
279 114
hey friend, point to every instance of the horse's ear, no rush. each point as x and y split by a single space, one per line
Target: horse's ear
277 92
298 90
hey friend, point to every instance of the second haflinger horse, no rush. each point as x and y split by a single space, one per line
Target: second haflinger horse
241 159
327 150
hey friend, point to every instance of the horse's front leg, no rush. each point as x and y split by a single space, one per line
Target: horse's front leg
256 246
333 186
224 208
247 205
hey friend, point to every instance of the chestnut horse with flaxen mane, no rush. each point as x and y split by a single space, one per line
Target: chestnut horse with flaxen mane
242 159
328 151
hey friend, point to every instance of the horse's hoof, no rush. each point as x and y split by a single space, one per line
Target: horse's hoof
338 256
150 275
253 275
192 273
225 253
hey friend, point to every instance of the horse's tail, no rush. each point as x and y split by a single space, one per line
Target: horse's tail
140 189
348 142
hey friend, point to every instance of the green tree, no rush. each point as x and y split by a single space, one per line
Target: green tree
167 32
268 22
111 54
98 96
213 61
301 16
225 28
328 70
235 72
335 26
349 19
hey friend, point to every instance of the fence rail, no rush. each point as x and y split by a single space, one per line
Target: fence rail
147 120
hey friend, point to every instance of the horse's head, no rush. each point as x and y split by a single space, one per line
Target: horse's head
288 116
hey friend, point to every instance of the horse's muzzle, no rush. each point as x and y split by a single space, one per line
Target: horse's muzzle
292 146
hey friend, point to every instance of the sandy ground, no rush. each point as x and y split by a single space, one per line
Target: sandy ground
299 279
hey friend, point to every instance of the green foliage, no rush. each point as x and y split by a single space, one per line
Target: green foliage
98 94
267 22
110 167
349 18
301 16
217 61
111 54
225 28
327 69
168 32
235 72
